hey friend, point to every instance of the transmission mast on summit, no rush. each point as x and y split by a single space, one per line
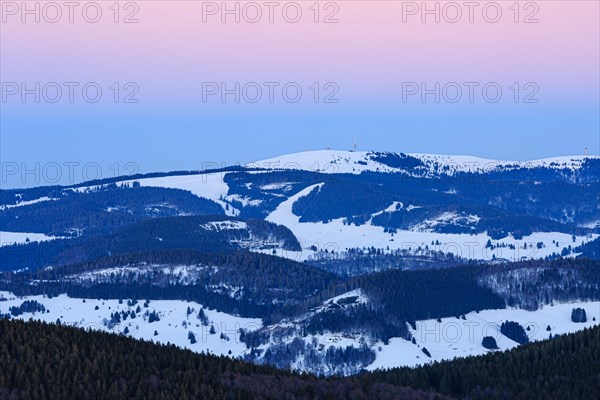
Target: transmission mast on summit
354 144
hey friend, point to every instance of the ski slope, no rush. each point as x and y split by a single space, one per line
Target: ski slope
337 237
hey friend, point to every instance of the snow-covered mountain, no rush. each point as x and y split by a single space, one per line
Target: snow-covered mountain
339 202
416 164
328 262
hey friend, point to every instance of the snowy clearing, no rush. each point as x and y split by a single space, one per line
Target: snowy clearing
174 325
10 238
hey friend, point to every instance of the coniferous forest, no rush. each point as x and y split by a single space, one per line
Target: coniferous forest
41 361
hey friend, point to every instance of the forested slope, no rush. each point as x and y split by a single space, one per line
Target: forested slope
42 361
566 367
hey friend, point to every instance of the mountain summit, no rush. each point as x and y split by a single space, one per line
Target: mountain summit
414 164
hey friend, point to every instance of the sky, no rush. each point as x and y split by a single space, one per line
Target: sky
98 90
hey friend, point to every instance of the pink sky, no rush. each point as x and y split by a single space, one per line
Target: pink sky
370 52
369 48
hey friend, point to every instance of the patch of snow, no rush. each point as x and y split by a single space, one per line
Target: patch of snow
183 274
10 238
357 296
245 201
225 225
277 186
26 203
591 224
396 205
447 218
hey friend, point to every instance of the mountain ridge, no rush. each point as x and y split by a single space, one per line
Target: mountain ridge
335 161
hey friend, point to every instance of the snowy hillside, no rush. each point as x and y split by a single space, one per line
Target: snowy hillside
333 161
209 186
325 161
337 236
174 322
219 333
462 337
504 210
433 340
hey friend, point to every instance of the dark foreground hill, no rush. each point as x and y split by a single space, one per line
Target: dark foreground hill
40 361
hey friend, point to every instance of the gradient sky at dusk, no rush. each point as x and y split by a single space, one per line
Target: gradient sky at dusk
368 54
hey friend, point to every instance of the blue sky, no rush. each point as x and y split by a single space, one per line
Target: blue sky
164 140
369 55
